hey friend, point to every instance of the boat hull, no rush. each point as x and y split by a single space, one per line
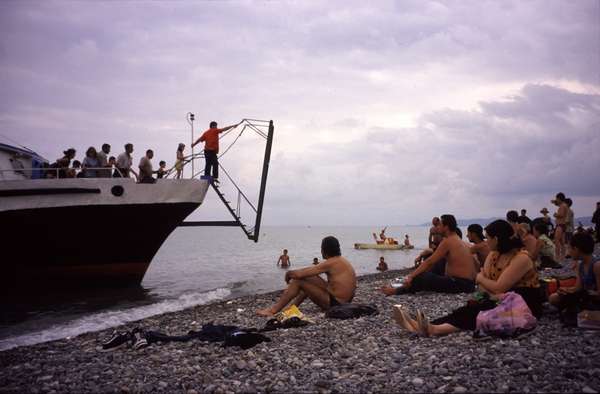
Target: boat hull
382 246
61 241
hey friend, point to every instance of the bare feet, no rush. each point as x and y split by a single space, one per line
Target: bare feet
265 312
422 324
403 319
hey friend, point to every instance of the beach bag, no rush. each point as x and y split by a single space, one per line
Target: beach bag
589 320
351 311
511 318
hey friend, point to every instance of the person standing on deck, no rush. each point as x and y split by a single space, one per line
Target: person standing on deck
124 163
211 148
145 167
102 157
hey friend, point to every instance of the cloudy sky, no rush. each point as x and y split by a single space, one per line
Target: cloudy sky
387 113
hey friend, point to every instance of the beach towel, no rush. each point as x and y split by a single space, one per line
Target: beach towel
511 318
351 311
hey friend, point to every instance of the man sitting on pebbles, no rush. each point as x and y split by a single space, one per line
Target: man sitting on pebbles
459 271
339 288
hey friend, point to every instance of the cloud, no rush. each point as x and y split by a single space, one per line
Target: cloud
468 162
399 108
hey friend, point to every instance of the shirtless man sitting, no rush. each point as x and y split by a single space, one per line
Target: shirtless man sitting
459 272
480 247
338 289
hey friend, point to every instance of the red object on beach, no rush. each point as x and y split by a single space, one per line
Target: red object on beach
554 284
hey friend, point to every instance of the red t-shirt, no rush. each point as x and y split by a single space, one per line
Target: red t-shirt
211 139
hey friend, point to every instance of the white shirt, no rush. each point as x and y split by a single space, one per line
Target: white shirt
124 161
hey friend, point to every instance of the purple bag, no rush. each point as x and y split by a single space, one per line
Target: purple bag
510 318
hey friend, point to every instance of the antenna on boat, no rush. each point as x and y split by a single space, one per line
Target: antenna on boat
190 118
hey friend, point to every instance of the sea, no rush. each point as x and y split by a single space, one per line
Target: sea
197 265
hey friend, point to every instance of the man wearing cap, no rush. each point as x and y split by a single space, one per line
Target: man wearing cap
480 246
561 224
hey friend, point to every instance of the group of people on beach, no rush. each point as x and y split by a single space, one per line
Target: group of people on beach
98 163
505 256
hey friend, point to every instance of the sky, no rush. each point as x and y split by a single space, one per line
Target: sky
385 113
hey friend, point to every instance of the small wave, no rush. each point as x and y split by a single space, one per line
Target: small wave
104 320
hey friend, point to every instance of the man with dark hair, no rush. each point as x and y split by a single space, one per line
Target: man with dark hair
211 149
480 247
102 157
145 167
512 217
339 288
124 163
596 221
524 218
459 271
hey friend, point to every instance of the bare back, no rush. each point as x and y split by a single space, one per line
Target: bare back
561 214
482 250
459 260
341 278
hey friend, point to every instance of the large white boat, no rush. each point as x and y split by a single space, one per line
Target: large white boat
101 231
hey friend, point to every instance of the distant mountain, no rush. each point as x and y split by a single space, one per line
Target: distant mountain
467 222
586 221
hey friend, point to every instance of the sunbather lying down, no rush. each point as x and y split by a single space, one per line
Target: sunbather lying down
338 289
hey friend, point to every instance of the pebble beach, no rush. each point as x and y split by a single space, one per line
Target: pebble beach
368 354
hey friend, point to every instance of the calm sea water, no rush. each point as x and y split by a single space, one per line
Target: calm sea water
197 265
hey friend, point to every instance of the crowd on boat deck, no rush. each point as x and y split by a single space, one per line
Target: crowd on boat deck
98 164
512 265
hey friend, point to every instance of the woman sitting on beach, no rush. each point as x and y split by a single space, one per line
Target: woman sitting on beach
507 268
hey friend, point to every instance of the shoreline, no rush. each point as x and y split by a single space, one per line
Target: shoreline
365 354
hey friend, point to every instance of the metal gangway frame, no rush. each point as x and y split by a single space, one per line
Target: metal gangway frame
257 126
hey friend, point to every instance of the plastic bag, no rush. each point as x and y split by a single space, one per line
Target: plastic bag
510 318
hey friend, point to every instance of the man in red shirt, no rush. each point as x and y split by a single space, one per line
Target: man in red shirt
211 148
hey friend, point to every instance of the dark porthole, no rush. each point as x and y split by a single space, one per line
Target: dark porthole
117 190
